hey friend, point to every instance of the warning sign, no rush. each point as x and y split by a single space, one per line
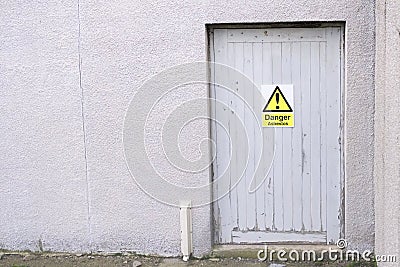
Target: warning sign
279 110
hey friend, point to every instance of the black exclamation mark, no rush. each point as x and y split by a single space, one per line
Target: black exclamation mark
277 100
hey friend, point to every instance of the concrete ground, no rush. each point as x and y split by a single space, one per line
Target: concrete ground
26 259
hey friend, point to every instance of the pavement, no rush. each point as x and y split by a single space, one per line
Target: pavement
27 259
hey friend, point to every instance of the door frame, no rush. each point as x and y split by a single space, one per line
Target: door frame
209 29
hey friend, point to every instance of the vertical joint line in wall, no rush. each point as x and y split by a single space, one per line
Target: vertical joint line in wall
84 129
383 178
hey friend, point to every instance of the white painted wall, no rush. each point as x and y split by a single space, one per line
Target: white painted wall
387 146
49 194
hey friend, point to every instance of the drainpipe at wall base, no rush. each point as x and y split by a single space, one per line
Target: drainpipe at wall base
186 229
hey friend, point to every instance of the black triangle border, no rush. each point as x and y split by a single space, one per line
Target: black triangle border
283 96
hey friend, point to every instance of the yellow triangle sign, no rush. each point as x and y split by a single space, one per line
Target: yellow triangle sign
277 102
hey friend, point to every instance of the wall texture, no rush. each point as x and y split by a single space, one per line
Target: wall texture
387 145
64 180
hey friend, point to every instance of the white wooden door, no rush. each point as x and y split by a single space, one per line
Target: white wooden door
300 199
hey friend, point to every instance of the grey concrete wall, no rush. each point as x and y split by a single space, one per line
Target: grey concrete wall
387 145
69 189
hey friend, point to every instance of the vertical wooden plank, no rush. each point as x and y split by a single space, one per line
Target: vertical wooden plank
258 139
323 122
232 123
278 162
239 111
306 142
296 172
333 132
222 113
287 145
234 136
315 159
249 126
268 141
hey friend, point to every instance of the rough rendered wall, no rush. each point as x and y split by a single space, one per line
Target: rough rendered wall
44 170
387 147
42 164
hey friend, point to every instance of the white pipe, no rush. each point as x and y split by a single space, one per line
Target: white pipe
186 229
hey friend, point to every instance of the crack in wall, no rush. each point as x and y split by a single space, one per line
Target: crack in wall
84 131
